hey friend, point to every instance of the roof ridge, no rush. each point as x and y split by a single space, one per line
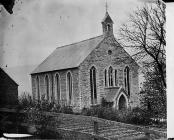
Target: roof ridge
68 48
78 42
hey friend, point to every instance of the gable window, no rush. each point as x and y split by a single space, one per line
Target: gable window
93 85
69 87
105 77
47 87
116 79
57 83
126 80
38 88
110 74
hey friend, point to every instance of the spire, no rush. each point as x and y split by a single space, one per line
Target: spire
106 6
107 23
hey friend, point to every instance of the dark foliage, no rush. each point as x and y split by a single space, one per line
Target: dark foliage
105 103
154 95
25 101
66 110
135 116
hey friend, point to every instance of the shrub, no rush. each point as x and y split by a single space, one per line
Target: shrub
105 103
56 108
25 101
86 111
135 116
45 105
37 118
109 114
66 109
139 116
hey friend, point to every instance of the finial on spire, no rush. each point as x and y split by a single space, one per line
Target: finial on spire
106 6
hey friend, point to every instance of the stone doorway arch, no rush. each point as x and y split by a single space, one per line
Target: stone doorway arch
122 102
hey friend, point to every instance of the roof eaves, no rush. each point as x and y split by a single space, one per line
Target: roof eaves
9 76
53 70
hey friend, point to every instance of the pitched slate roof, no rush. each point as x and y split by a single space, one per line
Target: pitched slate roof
3 72
69 56
110 96
113 92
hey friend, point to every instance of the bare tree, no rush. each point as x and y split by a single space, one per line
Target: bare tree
145 33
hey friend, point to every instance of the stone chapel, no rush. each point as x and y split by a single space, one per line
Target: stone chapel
82 73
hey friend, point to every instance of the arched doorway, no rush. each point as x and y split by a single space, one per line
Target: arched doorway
122 103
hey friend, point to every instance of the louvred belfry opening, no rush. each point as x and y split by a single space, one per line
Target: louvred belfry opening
107 25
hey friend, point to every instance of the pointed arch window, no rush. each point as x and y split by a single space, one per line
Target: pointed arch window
105 78
93 85
47 85
126 79
57 89
110 75
38 88
69 87
116 79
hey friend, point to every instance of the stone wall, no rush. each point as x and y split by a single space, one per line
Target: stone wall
101 60
63 83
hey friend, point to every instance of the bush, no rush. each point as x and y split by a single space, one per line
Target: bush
109 114
138 116
66 109
44 105
86 111
94 111
99 111
25 101
40 121
105 103
56 108
135 116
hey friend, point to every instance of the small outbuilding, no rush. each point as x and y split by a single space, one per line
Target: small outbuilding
8 89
